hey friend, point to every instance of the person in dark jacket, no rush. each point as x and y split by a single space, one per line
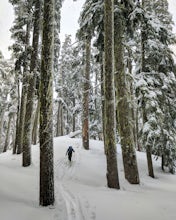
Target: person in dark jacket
69 152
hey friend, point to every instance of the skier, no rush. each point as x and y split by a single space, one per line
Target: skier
70 150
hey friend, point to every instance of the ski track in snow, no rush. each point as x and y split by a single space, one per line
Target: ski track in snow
68 205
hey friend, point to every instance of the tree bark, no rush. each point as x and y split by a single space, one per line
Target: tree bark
27 134
110 126
35 125
124 117
15 146
143 69
24 92
86 87
46 108
8 133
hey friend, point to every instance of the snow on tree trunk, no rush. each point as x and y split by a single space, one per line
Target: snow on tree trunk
46 108
24 92
8 133
1 125
60 126
35 125
27 134
15 146
86 87
110 125
124 112
145 120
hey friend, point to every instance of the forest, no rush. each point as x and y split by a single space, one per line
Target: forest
115 84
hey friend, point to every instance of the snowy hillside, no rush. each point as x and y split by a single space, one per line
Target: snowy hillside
80 189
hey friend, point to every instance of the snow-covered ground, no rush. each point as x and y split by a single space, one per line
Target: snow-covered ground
80 188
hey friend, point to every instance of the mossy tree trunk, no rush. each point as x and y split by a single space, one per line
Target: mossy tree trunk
35 125
27 134
86 87
46 108
24 92
124 116
110 125
60 123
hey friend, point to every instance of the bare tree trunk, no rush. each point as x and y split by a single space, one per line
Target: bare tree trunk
27 134
46 108
124 112
110 125
86 87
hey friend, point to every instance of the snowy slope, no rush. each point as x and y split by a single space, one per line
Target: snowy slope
80 188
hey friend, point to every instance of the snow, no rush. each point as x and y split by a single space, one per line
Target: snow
80 188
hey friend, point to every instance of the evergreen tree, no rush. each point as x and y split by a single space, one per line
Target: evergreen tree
68 82
7 88
155 82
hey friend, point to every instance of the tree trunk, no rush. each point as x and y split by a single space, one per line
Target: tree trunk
124 112
1 126
103 100
110 126
24 92
148 147
74 117
8 133
35 125
143 69
86 87
60 126
149 162
46 108
15 146
27 134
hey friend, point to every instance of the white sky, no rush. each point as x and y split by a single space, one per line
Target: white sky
69 25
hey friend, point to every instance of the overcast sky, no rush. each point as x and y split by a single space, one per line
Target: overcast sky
69 17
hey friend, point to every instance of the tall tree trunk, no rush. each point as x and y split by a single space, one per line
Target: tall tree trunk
103 99
74 117
24 92
132 95
110 125
15 146
143 69
60 124
148 147
35 125
27 134
124 112
8 133
46 108
86 87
